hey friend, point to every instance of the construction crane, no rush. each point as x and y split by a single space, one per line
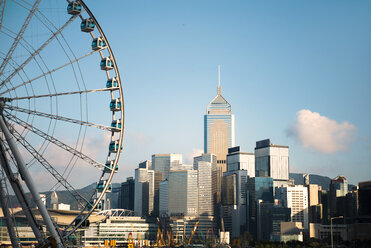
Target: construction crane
160 242
192 233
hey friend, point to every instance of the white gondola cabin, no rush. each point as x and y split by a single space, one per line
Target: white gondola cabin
116 124
114 146
74 8
115 105
98 43
87 25
106 64
112 83
109 167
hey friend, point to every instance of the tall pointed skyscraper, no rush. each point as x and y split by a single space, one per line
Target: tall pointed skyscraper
219 131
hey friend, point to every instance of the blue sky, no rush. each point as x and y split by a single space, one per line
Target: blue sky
277 58
297 72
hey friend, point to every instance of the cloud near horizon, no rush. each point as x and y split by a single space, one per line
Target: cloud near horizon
320 133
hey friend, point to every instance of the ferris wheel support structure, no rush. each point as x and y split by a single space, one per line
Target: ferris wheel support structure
37 120
29 182
7 216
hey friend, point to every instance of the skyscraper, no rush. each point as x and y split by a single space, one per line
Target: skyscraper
144 191
166 162
183 193
126 199
219 130
237 160
296 198
272 161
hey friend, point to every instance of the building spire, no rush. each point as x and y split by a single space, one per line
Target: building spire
219 87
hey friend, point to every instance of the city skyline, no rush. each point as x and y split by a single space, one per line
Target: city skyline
280 63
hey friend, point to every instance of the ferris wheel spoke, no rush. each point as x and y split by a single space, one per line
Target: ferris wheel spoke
19 36
36 52
79 198
55 141
2 7
43 74
63 93
62 118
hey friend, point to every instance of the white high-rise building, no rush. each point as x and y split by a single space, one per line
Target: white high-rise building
237 160
144 191
166 162
183 193
296 198
272 161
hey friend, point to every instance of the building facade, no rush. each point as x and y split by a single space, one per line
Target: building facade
259 190
272 161
144 191
296 198
126 199
237 160
183 193
165 162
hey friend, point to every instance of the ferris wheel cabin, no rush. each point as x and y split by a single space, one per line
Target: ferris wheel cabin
87 25
106 64
114 146
115 105
92 202
109 167
101 186
112 83
98 43
74 8
116 124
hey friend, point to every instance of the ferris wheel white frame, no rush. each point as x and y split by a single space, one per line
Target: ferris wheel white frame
9 150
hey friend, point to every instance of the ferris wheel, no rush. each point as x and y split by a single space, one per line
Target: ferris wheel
61 112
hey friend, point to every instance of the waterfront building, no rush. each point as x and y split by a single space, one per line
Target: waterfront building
219 131
118 225
237 160
272 161
165 162
126 196
296 198
183 193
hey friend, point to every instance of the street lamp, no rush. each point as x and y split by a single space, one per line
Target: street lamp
332 236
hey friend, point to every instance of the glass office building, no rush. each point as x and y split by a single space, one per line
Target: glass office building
165 162
271 160
258 188
219 133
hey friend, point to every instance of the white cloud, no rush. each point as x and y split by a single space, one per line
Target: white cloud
321 133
